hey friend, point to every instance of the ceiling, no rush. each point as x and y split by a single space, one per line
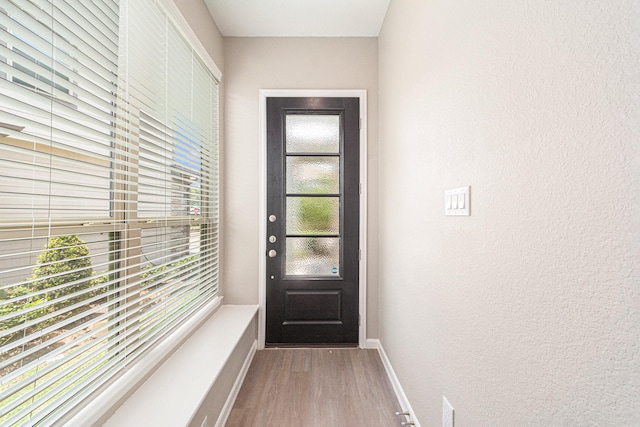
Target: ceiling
298 18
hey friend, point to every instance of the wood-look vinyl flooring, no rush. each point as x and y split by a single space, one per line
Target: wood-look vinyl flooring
315 387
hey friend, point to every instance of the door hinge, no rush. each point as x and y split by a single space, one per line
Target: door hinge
359 254
358 320
360 123
360 187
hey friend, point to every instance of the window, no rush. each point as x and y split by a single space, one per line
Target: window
108 194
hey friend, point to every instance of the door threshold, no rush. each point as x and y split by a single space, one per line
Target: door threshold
305 346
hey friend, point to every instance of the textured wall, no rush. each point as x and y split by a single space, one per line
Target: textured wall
252 64
527 312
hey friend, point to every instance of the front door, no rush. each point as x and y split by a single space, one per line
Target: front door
313 202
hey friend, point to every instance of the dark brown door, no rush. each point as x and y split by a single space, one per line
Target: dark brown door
312 220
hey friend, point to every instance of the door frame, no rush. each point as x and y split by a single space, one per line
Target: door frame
262 217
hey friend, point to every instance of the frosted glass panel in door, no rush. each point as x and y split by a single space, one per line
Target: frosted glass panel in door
313 215
312 133
313 174
313 256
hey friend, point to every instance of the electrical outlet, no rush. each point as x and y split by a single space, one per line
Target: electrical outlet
447 413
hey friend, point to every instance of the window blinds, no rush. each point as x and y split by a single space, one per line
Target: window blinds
108 194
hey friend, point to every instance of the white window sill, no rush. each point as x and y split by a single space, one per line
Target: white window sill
172 395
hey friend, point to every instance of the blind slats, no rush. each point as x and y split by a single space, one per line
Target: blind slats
108 195
85 132
38 36
97 104
151 302
70 36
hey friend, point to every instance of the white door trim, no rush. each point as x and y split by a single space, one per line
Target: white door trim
262 217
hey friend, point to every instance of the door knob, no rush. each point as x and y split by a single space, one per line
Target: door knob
272 218
272 239
272 253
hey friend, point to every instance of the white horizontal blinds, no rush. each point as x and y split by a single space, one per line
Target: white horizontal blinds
209 185
57 98
147 88
171 263
56 331
58 87
172 99
108 195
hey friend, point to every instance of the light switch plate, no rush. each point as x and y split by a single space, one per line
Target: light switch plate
456 202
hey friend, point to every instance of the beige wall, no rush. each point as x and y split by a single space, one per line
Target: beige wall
252 64
527 313
203 25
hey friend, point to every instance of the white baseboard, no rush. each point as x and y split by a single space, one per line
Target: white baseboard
372 343
395 382
228 405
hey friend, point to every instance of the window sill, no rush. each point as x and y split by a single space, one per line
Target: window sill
173 394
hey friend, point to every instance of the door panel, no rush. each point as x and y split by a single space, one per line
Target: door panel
313 206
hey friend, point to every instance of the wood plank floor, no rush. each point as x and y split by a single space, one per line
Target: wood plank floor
315 387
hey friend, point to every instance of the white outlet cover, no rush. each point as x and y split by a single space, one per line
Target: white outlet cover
456 202
447 413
